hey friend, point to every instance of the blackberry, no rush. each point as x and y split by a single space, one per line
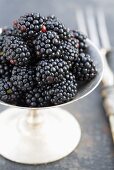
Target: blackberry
1 44
22 78
16 51
70 51
5 70
2 57
82 39
34 58
64 91
4 66
13 32
45 98
8 93
3 60
29 25
1 41
53 24
47 45
37 97
32 98
10 32
84 68
52 18
51 71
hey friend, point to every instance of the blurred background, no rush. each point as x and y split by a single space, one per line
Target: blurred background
96 151
65 10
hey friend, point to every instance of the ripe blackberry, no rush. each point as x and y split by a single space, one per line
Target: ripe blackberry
70 51
1 41
2 57
47 45
53 24
37 97
8 93
1 44
22 78
45 97
16 51
64 91
7 31
29 25
51 71
84 68
82 39
10 32
3 60
5 70
13 32
32 98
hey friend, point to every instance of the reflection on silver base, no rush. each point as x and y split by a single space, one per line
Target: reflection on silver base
37 137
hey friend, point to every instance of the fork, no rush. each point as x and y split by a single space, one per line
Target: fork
95 27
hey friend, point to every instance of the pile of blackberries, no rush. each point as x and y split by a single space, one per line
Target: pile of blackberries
42 62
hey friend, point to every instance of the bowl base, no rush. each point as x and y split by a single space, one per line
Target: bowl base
55 135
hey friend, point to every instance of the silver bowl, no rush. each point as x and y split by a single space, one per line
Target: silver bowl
42 135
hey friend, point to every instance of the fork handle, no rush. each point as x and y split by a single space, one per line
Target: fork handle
108 92
108 99
108 103
108 77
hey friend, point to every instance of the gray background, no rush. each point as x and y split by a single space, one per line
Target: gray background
95 151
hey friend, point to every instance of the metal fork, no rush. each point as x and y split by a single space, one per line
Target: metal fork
95 27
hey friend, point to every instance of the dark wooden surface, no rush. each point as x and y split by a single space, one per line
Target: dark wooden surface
95 151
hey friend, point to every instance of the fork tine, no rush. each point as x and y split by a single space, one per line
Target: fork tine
103 29
81 21
91 24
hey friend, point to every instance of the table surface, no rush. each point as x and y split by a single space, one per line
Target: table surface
96 150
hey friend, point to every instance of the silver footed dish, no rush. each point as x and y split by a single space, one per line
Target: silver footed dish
43 135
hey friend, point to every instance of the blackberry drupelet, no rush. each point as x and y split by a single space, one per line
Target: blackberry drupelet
64 91
16 51
82 39
8 93
70 51
29 25
47 45
53 24
22 78
84 68
51 71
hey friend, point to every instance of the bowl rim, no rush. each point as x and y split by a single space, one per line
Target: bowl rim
75 99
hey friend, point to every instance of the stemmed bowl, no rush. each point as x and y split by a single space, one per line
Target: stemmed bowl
42 135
